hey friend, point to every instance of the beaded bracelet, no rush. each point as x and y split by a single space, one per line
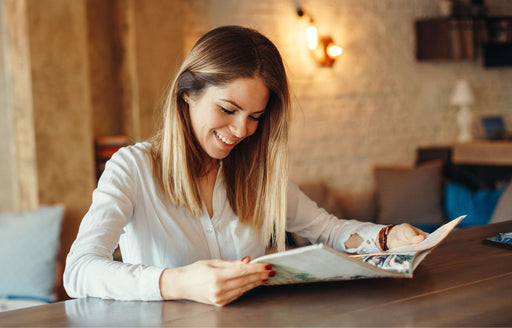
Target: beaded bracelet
383 237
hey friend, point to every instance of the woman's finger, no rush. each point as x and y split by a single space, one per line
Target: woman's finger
231 279
414 234
235 269
247 279
238 288
408 232
405 234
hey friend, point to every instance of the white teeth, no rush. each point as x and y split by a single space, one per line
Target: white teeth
224 139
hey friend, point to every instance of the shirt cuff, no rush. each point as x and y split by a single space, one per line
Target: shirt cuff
370 235
150 286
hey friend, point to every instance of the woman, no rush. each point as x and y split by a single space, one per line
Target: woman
192 206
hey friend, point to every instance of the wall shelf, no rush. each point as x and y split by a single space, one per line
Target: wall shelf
465 38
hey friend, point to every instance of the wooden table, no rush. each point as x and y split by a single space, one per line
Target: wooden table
461 283
483 153
478 164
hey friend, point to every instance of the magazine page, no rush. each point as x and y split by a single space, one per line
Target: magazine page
321 263
398 263
432 239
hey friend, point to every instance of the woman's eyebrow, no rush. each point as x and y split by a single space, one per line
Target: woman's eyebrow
240 107
232 103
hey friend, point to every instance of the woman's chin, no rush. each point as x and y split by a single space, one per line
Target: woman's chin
218 155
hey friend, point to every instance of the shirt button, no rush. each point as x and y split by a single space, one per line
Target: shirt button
209 230
368 242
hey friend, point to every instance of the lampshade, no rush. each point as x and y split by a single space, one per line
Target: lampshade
462 95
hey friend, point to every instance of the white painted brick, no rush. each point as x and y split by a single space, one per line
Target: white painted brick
376 104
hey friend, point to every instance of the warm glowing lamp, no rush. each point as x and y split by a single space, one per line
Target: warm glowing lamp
324 50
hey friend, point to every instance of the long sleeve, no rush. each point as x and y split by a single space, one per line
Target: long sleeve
308 220
130 209
90 269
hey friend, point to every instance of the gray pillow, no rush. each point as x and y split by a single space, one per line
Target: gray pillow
503 210
29 243
412 195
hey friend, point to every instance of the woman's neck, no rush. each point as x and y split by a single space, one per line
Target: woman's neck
206 184
208 167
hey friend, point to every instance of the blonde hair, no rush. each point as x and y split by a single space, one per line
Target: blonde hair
255 171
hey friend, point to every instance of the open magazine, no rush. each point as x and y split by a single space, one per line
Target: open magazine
322 263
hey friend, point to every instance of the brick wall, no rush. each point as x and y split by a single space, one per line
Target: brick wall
377 104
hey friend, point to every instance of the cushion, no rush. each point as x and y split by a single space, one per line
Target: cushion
503 210
29 243
478 205
409 194
13 303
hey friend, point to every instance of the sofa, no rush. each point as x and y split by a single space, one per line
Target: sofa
418 194
401 194
29 247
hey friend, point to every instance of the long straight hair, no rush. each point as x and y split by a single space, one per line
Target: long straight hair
256 170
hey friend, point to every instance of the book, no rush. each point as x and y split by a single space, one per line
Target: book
502 240
320 262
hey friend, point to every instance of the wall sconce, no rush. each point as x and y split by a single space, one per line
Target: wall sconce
323 49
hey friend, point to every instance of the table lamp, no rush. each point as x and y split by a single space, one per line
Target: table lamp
463 98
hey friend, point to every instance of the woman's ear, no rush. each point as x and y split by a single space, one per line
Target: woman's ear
186 97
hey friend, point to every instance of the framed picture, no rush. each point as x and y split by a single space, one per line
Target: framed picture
494 127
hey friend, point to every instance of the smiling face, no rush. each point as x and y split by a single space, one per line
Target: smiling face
222 116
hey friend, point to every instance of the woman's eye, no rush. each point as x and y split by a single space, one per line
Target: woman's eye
254 118
227 111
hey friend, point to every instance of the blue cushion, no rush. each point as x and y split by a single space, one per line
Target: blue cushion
428 227
478 205
29 243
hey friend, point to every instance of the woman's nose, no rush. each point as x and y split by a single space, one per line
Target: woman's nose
239 127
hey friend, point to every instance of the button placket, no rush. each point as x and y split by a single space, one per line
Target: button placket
210 236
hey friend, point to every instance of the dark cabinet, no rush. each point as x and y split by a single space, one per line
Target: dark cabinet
497 45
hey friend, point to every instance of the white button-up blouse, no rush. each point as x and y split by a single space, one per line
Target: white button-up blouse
130 209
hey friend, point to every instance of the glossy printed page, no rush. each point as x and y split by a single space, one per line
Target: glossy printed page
321 263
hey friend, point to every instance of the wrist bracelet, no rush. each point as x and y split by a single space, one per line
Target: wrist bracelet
383 237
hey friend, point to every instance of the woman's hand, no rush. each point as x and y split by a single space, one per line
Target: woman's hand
216 282
403 235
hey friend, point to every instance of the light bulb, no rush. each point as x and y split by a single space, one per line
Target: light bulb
312 37
334 50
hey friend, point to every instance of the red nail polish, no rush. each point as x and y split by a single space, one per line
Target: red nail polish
245 258
268 267
271 274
